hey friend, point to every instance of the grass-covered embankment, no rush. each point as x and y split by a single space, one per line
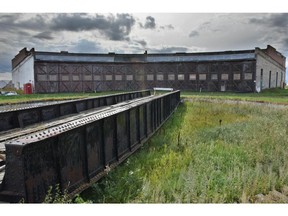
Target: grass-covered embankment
205 153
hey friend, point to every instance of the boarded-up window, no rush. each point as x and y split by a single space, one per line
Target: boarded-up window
181 76
224 76
248 76
75 78
140 77
171 77
108 77
150 77
65 77
202 76
236 76
53 78
87 77
42 77
160 77
192 77
97 77
214 76
118 77
129 77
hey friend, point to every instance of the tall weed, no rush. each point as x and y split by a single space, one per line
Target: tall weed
206 153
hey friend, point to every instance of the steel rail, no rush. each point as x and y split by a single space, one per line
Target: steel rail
51 128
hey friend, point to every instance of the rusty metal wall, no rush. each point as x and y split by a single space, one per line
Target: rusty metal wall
88 77
15 118
77 158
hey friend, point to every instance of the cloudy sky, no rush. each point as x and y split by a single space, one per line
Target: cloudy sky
123 32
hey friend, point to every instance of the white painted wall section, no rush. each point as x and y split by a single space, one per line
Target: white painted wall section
23 73
266 64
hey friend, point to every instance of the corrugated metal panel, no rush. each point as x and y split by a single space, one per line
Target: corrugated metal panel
73 58
201 57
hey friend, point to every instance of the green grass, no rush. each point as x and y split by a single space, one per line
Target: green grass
48 97
205 153
279 96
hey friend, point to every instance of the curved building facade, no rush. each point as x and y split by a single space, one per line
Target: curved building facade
239 71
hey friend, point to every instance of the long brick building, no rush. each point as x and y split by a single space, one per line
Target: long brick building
239 71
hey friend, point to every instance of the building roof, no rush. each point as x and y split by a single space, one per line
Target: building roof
159 57
65 56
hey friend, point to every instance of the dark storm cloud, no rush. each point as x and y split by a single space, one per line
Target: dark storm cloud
37 22
114 27
78 22
150 23
44 35
277 24
10 22
194 33
5 63
272 20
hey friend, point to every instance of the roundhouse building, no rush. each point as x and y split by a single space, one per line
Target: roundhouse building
239 71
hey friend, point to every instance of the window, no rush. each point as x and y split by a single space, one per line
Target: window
269 79
108 77
224 76
75 78
97 77
41 77
118 77
192 77
88 77
150 77
53 77
181 77
248 76
214 76
202 76
237 76
171 77
129 77
160 77
65 77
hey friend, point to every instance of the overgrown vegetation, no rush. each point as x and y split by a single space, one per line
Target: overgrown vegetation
275 95
55 195
205 153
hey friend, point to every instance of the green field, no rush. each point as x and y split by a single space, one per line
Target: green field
279 96
209 151
206 152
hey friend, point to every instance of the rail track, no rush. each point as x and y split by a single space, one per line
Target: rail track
51 128
120 128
